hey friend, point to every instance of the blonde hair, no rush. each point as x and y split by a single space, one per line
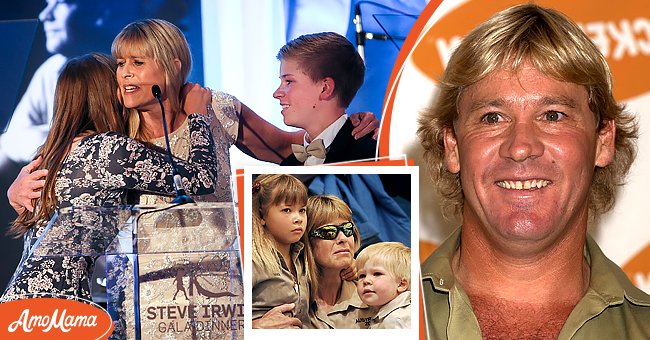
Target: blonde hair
555 46
164 43
393 256
270 190
322 210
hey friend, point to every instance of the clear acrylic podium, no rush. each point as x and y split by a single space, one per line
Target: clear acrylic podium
172 272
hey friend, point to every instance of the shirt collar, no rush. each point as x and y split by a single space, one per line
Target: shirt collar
294 252
609 281
329 133
401 300
348 297
437 267
327 136
296 249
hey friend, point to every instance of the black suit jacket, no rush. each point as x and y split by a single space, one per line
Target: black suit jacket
344 147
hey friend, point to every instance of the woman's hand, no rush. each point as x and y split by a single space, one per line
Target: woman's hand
364 123
27 186
350 273
275 318
195 99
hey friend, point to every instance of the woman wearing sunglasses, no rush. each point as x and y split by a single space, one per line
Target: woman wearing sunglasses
333 240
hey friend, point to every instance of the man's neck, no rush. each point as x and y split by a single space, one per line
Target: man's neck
519 293
477 264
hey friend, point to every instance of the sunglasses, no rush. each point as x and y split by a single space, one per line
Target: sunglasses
330 231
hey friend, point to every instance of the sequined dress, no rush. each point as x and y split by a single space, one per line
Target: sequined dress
224 123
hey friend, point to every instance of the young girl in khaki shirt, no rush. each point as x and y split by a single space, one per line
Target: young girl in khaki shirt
281 267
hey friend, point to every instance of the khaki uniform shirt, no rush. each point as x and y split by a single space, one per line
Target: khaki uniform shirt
348 312
275 289
612 308
396 314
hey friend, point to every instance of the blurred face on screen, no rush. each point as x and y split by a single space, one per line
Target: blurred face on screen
56 18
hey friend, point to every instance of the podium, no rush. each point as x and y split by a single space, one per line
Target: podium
172 271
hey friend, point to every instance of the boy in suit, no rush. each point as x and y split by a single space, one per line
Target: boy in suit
319 75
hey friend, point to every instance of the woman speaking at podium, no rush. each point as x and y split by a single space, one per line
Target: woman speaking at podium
92 164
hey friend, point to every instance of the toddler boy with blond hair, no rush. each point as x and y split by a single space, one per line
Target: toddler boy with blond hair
384 283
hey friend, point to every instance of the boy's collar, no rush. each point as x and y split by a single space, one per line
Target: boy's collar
329 133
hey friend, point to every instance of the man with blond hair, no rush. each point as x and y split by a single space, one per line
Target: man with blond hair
527 143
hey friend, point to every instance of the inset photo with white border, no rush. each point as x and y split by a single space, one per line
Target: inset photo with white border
331 248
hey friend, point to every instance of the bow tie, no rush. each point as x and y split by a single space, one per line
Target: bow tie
315 148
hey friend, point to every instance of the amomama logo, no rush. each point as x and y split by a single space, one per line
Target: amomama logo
54 318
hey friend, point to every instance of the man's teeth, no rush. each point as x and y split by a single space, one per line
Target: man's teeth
284 106
525 185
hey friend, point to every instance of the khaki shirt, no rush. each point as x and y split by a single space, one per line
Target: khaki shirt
275 289
348 312
396 314
612 308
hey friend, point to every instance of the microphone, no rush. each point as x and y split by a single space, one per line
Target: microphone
361 35
181 195
358 28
